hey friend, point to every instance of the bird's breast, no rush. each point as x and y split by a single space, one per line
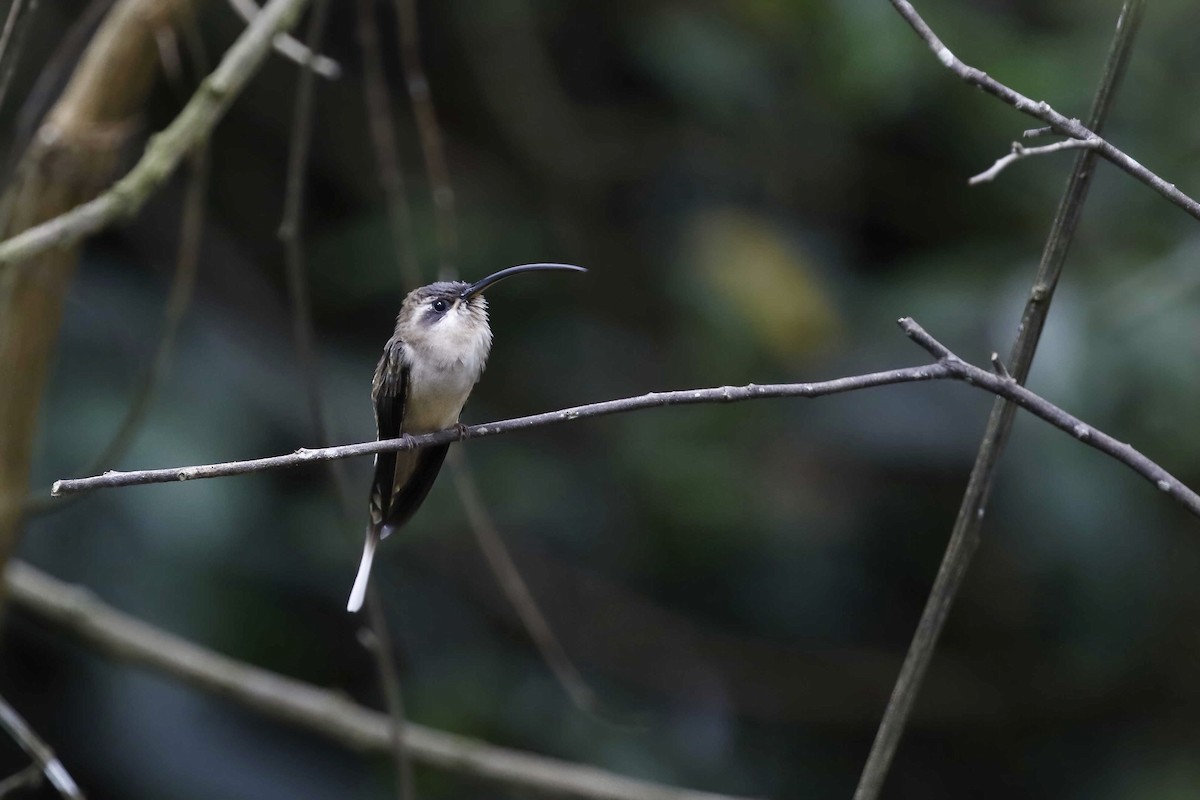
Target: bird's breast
439 387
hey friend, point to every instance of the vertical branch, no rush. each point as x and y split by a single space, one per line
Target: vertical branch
486 535
389 679
10 22
383 142
965 537
430 133
292 238
303 332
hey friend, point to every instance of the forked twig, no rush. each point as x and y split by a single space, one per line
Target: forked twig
1042 110
1020 151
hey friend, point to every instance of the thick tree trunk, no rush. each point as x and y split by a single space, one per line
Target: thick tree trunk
70 160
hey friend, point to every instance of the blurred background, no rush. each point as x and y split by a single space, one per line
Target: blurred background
759 190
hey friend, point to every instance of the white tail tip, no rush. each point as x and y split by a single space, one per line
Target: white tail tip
359 592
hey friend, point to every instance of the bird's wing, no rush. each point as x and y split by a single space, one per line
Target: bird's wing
410 490
402 479
389 393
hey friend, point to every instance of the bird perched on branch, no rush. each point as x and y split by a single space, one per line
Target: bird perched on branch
428 369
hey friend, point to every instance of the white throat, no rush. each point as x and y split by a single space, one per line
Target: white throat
445 362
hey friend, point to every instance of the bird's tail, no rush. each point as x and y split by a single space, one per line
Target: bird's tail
364 570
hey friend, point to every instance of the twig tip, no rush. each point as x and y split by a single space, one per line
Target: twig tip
999 368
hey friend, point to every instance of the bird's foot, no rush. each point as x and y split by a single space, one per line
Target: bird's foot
462 430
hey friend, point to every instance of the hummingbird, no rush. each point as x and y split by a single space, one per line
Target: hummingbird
429 366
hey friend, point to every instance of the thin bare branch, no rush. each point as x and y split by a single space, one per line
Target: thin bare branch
39 751
384 653
438 174
167 148
289 47
517 591
322 711
14 36
10 22
965 537
947 367
1041 110
1020 151
290 234
384 143
304 334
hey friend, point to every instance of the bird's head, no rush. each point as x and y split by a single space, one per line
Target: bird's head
455 312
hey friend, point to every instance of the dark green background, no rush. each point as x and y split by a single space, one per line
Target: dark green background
759 190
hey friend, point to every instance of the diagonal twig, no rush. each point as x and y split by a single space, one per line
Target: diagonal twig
964 539
1041 110
10 22
517 591
39 751
13 35
1020 151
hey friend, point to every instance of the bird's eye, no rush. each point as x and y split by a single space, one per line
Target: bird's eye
440 305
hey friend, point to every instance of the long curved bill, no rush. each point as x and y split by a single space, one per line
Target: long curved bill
478 286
